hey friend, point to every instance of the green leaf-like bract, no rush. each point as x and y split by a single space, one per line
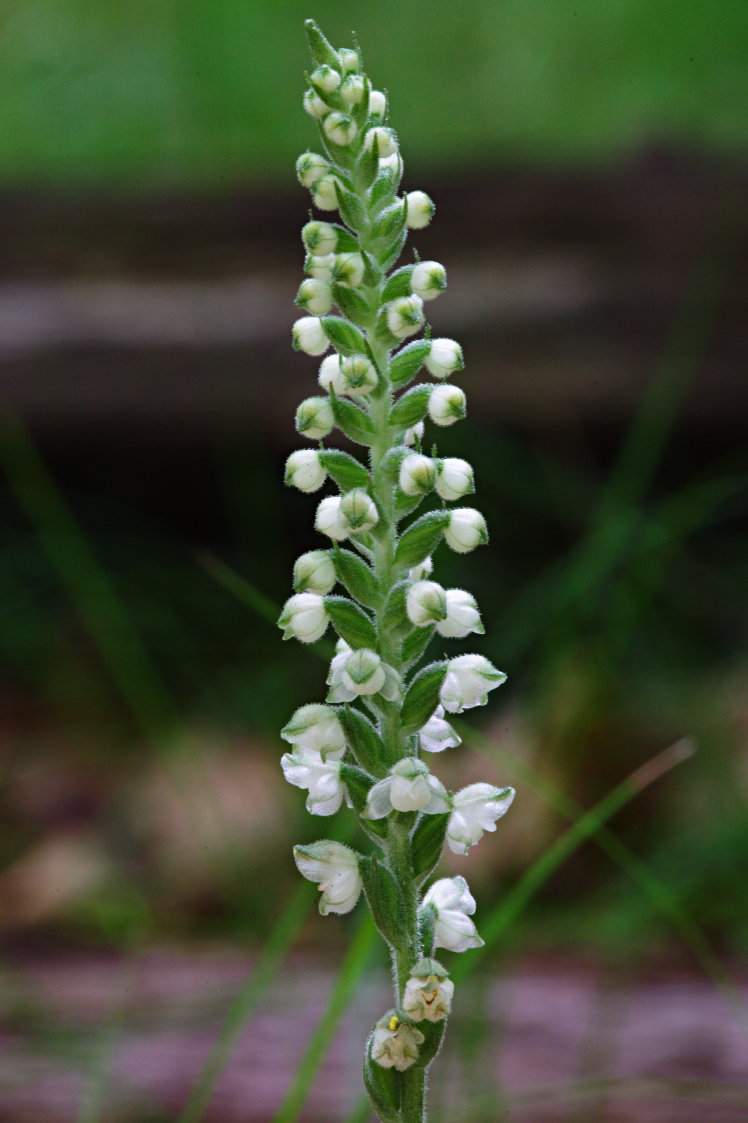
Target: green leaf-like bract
357 577
344 468
385 901
427 842
411 407
422 697
421 539
352 420
351 622
345 337
364 741
408 361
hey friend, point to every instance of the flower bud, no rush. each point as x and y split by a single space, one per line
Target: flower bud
405 316
444 357
428 992
394 1043
319 238
367 675
352 90
461 616
304 617
447 404
329 521
465 530
454 477
314 572
341 130
324 194
325 78
476 809
360 375
320 268
349 269
349 60
331 375
316 727
308 335
410 436
358 511
334 867
394 163
315 296
304 470
314 105
377 103
310 167
467 683
386 141
426 603
422 571
417 474
428 279
314 418
420 209
363 672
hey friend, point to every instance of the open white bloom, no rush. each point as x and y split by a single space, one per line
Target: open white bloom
320 238
447 404
334 867
354 674
410 436
304 470
338 128
324 193
405 316
378 103
304 617
385 138
465 530
417 474
437 734
320 267
409 787
317 728
462 616
420 209
467 683
330 374
426 603
454 477
394 1043
304 768
475 810
428 992
310 167
328 519
358 511
314 418
444 358
349 269
326 79
314 105
352 90
315 296
454 905
422 571
308 335
428 279
314 572
359 374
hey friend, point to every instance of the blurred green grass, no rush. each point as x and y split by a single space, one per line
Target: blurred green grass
135 93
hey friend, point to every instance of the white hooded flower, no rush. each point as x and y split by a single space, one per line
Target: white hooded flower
315 296
385 138
467 683
304 768
447 404
334 868
405 316
314 418
314 572
320 239
425 603
317 728
462 616
326 78
465 530
428 992
417 474
454 905
304 617
394 1043
314 105
454 477
377 103
339 128
308 335
421 571
325 194
420 209
475 810
409 787
352 90
354 674
330 374
358 511
349 60
304 470
328 519
415 433
428 279
359 374
349 269
310 167
393 163
437 734
444 358
320 267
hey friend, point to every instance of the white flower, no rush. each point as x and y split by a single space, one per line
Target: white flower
417 474
462 616
315 296
454 477
394 163
475 810
377 103
308 335
428 279
329 521
330 374
394 1043
465 530
422 571
314 418
338 128
324 193
306 769
358 511
314 572
386 140
326 79
361 672
428 992
405 316
320 267
349 60
352 90
304 617
310 167
444 357
447 404
425 603
314 105
454 906
414 433
320 238
467 683
420 209
437 734
317 728
349 269
334 867
409 787
304 470
359 374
